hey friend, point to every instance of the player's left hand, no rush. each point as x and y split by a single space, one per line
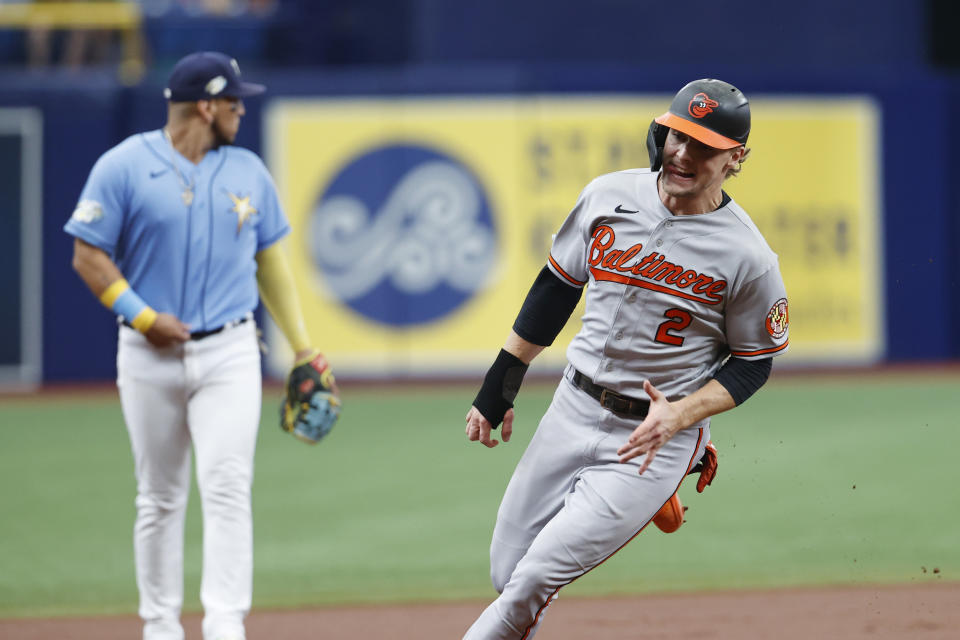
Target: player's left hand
167 330
662 422
312 403
479 428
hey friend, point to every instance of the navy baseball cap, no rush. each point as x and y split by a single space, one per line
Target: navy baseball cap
205 75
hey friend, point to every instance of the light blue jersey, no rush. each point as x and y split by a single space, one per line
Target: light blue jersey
195 262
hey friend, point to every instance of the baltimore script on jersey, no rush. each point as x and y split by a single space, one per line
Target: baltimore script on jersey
608 264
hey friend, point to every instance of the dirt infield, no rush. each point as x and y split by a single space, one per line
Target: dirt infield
922 612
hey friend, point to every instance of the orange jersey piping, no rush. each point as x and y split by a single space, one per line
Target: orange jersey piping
563 273
760 352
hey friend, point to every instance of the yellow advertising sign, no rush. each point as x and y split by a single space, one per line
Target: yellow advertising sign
812 186
419 224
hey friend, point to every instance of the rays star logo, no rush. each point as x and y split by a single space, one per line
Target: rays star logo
243 209
88 211
216 85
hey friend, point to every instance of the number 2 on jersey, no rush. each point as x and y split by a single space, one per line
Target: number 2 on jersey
677 320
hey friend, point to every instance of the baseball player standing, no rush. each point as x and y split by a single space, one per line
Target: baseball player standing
174 232
684 311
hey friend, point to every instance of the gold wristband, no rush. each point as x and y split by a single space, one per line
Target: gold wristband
144 320
112 292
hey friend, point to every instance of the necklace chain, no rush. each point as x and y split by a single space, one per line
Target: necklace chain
187 194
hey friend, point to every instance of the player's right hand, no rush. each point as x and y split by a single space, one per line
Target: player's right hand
167 330
479 428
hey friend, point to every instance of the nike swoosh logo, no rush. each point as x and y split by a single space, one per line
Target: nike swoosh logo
155 174
620 209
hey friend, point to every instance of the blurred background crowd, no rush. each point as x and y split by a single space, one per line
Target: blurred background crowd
45 33
78 77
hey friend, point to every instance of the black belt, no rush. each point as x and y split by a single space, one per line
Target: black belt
611 399
200 335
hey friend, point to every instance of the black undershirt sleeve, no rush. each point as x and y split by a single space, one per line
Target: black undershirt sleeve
546 309
741 378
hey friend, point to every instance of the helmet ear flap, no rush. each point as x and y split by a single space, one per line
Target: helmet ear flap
656 139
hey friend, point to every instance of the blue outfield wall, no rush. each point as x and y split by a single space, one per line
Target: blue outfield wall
86 114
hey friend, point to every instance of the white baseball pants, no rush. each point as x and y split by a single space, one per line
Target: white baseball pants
205 393
571 504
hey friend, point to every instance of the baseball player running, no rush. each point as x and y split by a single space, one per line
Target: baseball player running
174 232
684 311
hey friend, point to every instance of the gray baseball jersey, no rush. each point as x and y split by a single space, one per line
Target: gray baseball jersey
670 296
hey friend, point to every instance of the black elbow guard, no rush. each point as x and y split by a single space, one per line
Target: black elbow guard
546 309
741 378
500 387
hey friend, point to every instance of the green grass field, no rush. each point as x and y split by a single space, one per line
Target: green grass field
821 481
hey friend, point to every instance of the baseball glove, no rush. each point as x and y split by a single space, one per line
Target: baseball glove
312 404
707 466
670 516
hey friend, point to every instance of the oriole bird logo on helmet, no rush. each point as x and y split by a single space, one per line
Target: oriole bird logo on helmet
701 105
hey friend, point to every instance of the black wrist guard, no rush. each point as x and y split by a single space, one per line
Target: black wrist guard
500 387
